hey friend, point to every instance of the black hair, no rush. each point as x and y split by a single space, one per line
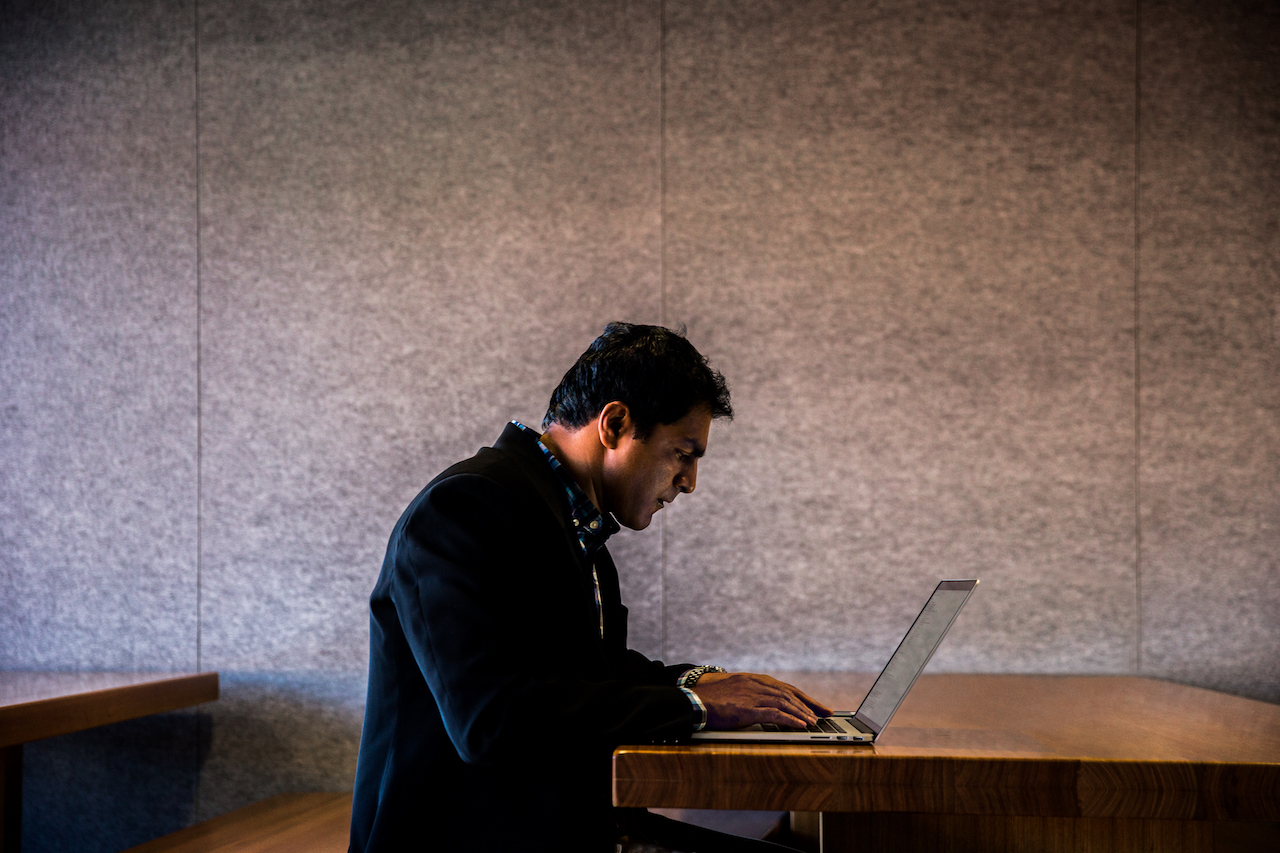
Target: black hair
656 372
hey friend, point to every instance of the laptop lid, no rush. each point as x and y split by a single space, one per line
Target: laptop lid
888 691
913 654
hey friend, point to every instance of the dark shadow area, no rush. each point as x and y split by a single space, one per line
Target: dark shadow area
273 733
113 787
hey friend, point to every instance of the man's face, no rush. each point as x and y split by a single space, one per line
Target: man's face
641 476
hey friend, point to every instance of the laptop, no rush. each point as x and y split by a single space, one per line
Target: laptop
890 688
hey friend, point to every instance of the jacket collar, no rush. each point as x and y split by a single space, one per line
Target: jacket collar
592 526
523 447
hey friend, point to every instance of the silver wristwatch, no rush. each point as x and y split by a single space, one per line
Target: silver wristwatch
691 676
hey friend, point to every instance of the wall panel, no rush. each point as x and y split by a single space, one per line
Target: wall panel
98 395
906 233
97 323
414 217
1210 344
907 237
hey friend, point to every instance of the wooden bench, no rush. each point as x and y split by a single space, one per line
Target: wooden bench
38 705
320 823
287 823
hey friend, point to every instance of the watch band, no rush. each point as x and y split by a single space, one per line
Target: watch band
691 676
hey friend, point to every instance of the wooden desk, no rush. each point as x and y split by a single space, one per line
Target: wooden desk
37 705
1001 762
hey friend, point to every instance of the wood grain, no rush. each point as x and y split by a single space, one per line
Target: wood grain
287 823
1042 746
1097 717
36 705
873 833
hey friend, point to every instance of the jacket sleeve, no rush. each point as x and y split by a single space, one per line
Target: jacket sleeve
468 587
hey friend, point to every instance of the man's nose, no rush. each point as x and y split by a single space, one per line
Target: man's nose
687 479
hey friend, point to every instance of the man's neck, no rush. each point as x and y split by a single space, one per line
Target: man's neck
581 453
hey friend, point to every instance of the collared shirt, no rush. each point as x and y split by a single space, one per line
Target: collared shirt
594 528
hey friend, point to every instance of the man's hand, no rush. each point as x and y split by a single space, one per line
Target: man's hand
738 699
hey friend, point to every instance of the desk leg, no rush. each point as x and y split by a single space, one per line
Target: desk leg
806 831
11 799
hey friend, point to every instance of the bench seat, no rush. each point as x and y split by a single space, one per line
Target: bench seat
287 823
320 823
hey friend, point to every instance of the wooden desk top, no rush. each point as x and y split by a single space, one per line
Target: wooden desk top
1075 746
35 705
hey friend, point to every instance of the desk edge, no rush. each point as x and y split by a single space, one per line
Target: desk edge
31 721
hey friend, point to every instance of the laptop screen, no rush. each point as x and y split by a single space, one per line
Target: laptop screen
913 653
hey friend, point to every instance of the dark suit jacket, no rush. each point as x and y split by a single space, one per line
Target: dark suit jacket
493 703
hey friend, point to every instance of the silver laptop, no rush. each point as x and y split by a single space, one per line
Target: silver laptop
891 687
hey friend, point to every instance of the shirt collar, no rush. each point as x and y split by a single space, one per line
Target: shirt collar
592 526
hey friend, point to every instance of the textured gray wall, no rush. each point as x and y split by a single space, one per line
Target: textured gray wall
1209 338
997 289
908 238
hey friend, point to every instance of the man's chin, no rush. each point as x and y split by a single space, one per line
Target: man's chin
635 523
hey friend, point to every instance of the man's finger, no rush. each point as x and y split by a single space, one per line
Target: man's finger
788 698
739 699
778 691
795 708
801 704
782 718
818 708
813 704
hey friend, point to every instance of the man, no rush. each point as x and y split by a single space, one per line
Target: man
499 677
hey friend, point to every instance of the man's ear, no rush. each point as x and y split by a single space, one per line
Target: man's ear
614 423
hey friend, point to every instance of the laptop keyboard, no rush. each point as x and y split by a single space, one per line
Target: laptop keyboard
824 726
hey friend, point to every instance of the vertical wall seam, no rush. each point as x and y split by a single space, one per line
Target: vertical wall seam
199 718
662 285
662 162
199 365
1137 336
